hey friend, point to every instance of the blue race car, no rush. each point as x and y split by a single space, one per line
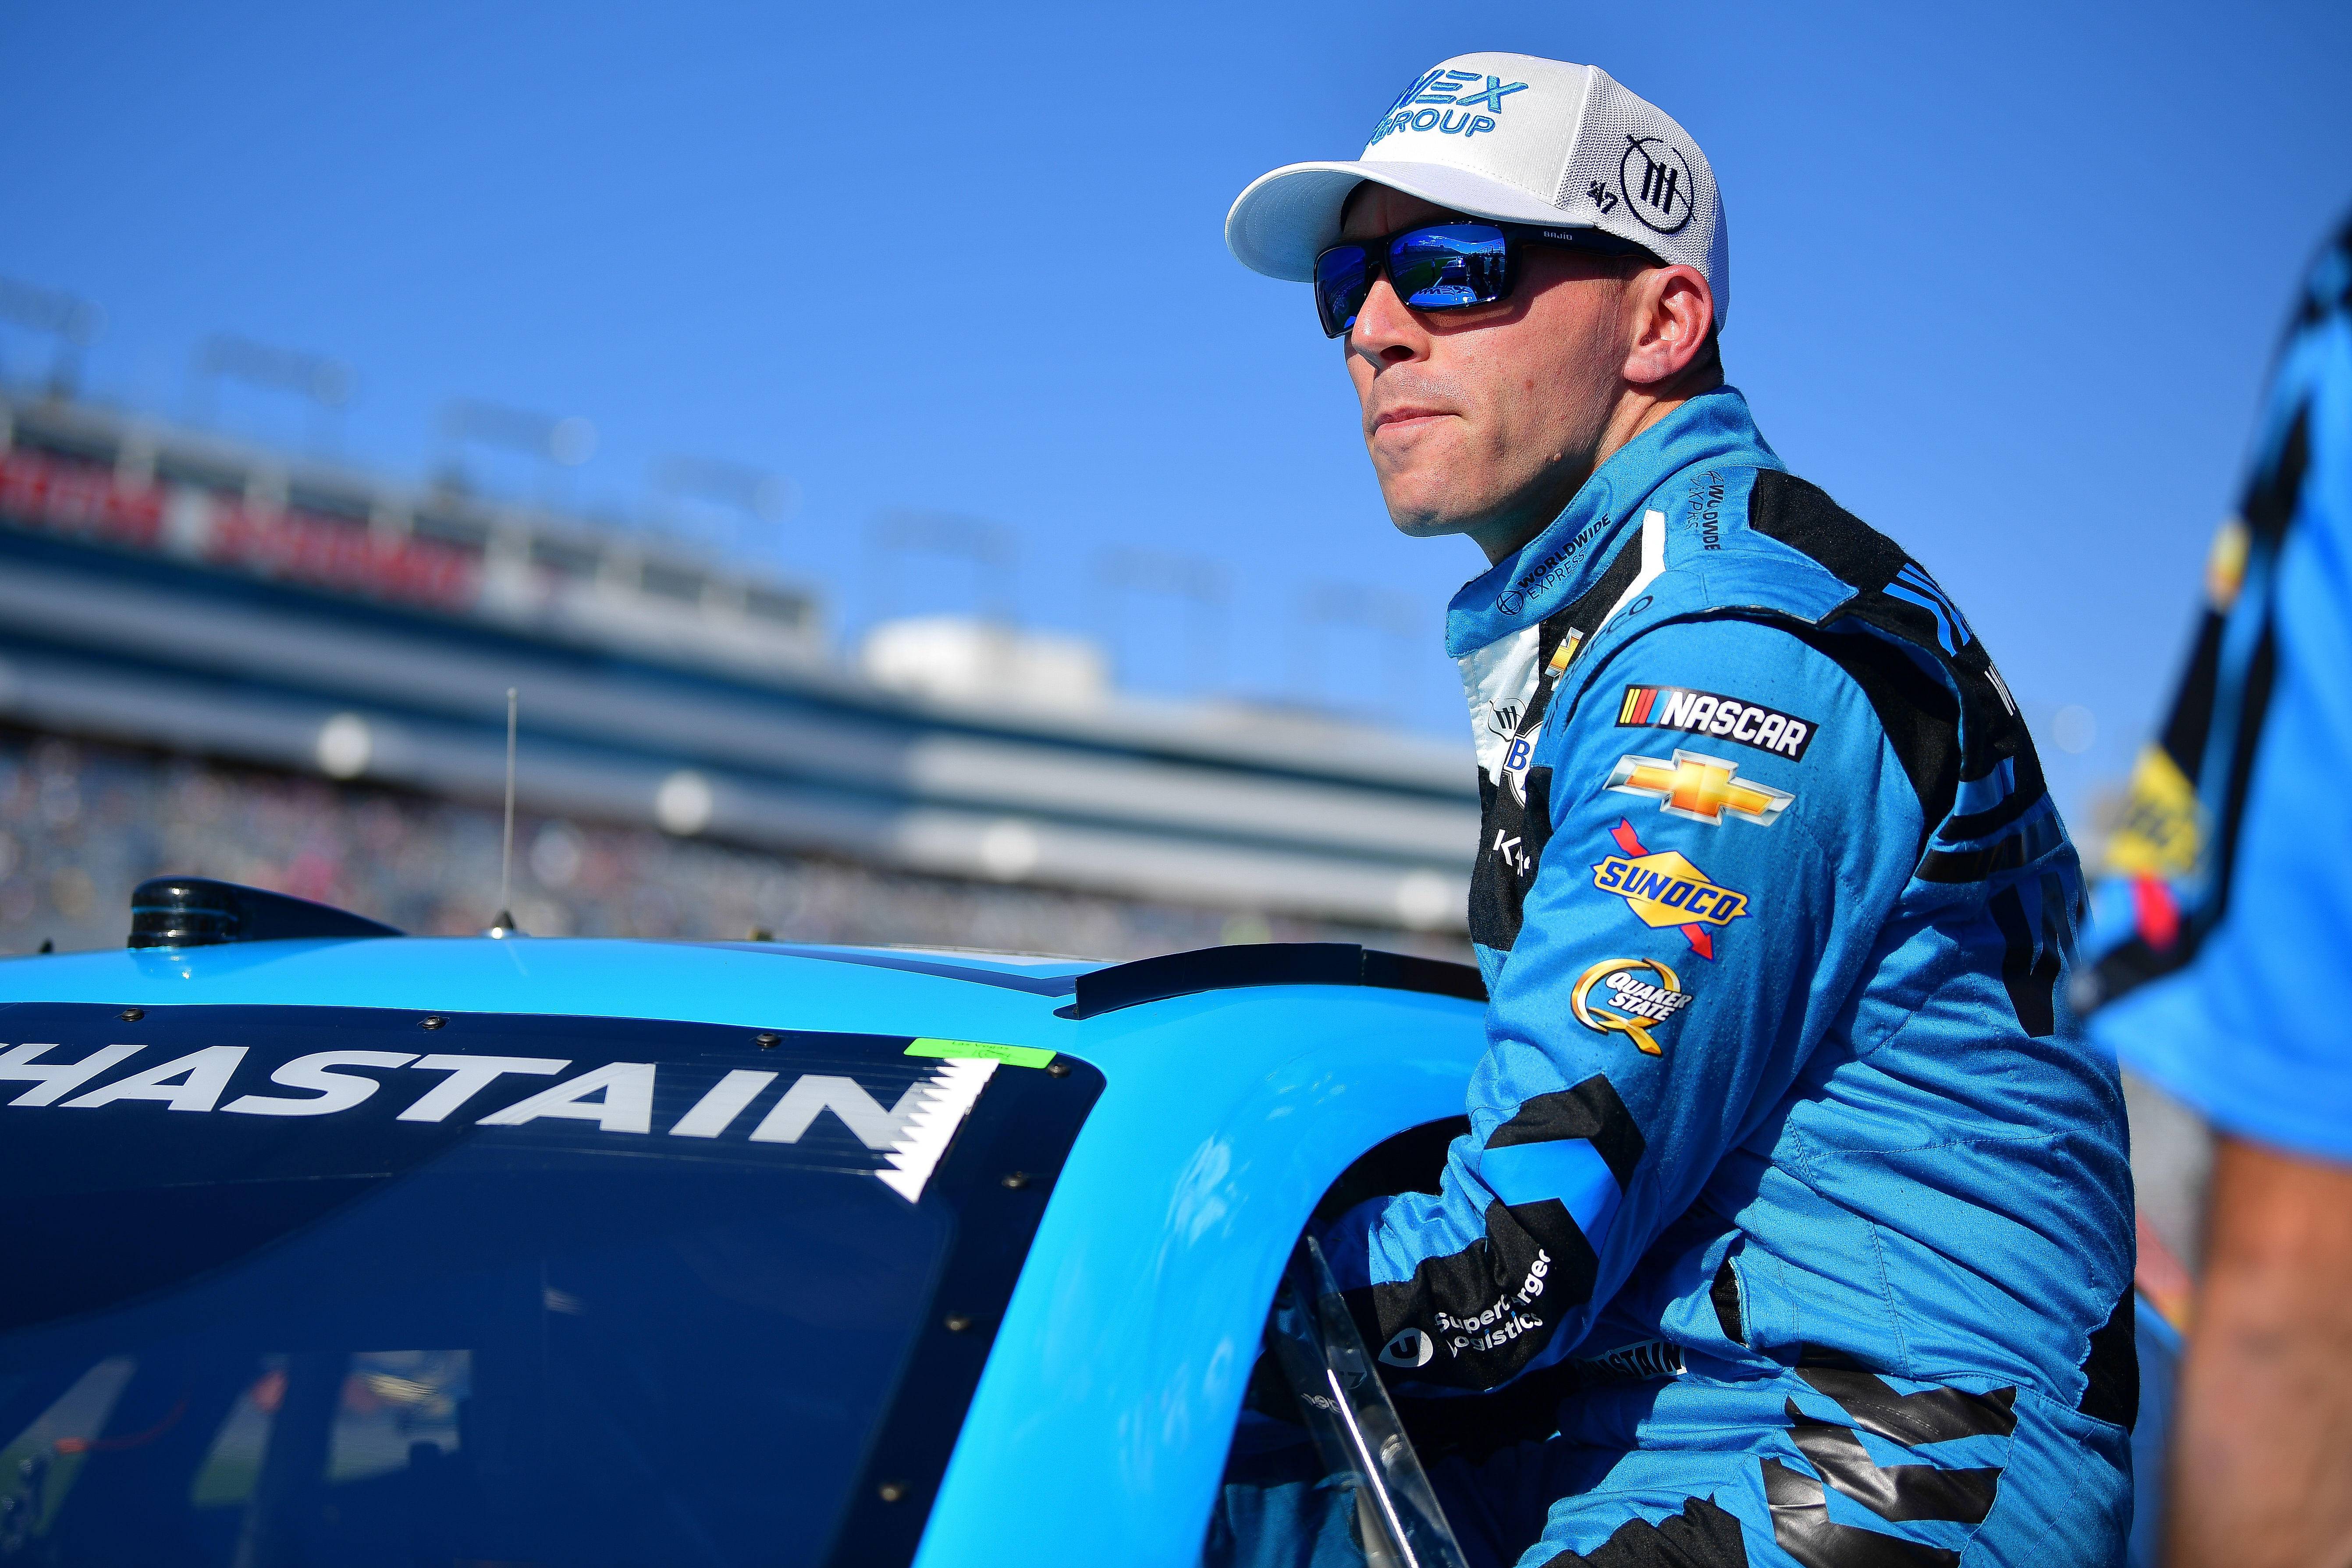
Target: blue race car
328 1246
323 1248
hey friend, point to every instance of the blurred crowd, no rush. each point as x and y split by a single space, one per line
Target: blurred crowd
82 823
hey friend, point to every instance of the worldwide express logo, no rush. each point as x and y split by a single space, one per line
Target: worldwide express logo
1449 102
1666 890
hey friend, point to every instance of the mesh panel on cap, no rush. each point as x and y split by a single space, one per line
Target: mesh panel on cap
1637 173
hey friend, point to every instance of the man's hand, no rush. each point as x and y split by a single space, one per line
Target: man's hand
2261 1457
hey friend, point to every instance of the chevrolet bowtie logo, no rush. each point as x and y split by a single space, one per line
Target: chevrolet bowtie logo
1701 788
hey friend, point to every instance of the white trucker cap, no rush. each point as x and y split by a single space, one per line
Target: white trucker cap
1517 139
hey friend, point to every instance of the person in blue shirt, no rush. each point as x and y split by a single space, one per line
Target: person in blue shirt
1788 1227
2214 948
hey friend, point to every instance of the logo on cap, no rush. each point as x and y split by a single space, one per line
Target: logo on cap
1456 96
1656 182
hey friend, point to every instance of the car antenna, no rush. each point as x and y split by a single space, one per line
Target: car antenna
505 925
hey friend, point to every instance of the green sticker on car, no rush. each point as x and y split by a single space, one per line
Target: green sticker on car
982 1050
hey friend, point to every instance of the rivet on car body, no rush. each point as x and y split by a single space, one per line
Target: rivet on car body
891 1491
133 1014
435 1023
957 1323
1057 1069
768 1042
1017 1179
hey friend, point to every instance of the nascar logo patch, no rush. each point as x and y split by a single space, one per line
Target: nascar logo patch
1712 713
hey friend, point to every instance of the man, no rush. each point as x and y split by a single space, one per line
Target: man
1782 1200
2235 858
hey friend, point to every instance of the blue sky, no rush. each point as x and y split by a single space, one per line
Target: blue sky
2008 278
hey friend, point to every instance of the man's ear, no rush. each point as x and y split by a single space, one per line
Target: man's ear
1670 311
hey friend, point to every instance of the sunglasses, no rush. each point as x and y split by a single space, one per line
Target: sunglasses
1442 266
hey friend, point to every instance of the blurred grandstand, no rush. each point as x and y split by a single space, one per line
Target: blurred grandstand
222 659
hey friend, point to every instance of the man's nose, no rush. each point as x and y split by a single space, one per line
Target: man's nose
1385 331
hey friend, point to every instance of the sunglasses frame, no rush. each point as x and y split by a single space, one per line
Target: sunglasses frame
1380 253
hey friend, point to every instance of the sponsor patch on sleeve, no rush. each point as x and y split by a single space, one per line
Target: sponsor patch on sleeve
1635 1004
1712 713
1700 788
1666 890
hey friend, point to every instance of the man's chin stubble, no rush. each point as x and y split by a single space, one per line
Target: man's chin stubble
1417 522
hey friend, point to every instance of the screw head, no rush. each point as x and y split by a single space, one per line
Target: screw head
1057 1069
891 1491
957 1323
434 1022
1017 1179
768 1042
133 1014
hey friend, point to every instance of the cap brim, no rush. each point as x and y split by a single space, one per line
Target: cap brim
1286 218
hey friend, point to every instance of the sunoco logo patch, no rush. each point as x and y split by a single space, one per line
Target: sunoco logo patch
1666 890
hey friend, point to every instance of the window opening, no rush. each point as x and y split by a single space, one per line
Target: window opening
1319 1454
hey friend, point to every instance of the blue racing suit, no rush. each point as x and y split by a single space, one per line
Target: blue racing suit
1784 1201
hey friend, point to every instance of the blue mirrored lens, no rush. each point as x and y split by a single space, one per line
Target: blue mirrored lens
1340 284
1448 265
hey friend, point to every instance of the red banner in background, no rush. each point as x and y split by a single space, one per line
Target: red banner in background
296 546
92 500
82 499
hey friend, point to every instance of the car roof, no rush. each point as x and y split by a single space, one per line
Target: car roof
1004 998
855 990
